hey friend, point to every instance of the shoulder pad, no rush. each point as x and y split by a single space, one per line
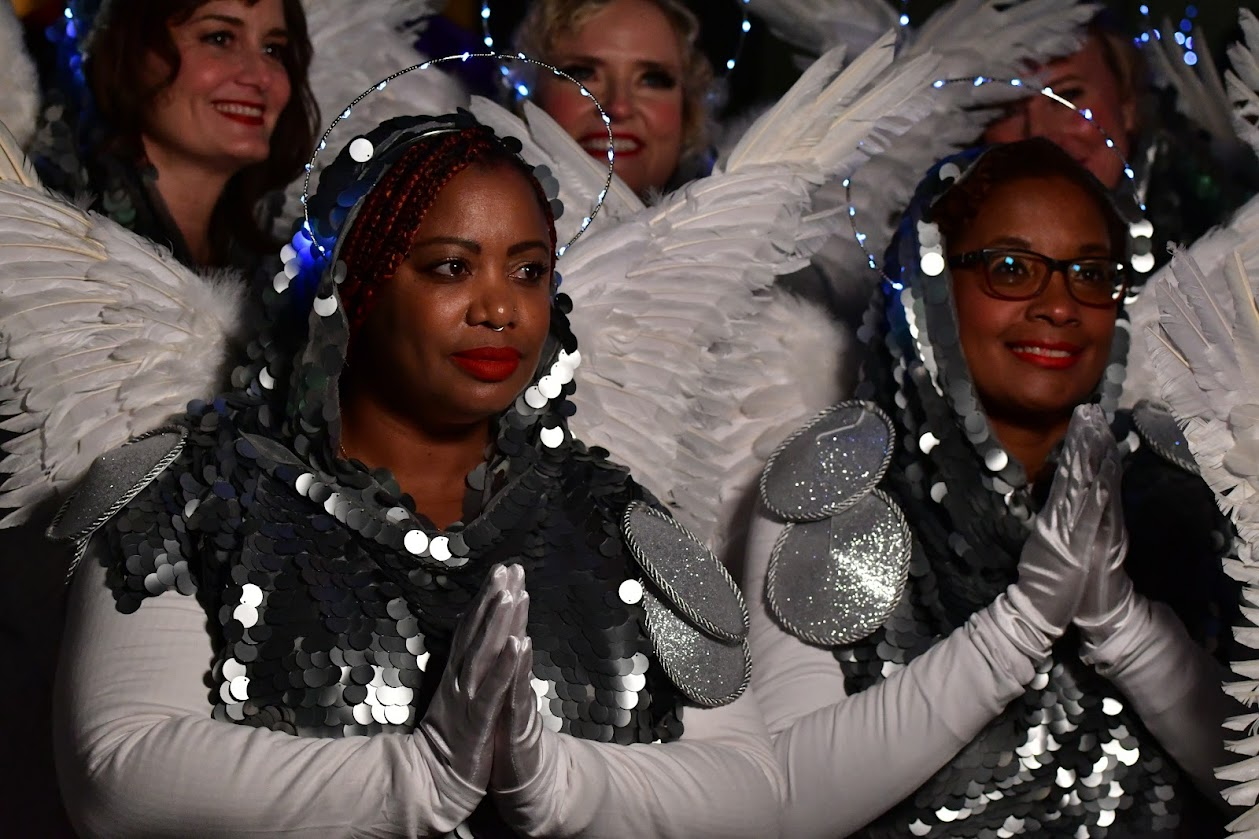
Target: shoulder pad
113 480
696 619
1157 428
830 463
835 581
841 564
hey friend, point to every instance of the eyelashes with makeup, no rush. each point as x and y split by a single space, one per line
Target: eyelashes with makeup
454 269
225 38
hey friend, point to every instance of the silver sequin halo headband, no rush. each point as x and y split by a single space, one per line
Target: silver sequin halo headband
361 149
1140 230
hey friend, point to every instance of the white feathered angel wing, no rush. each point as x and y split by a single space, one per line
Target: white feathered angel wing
103 336
672 301
19 106
356 45
971 38
1205 351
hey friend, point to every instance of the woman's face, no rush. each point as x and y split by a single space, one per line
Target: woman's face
1086 80
630 57
1033 360
480 262
220 109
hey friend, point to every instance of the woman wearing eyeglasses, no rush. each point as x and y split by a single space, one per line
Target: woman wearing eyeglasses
990 604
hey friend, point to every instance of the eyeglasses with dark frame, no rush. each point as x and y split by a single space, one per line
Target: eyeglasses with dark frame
1014 274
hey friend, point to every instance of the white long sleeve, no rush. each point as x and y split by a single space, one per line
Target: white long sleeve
720 780
847 760
138 754
1174 685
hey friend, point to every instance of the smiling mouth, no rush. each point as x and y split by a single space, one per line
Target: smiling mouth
1045 351
598 145
1050 358
241 112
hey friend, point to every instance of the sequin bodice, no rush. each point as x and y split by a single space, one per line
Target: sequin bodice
325 625
328 626
1067 758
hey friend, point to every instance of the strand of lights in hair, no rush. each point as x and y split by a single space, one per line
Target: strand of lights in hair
380 85
1141 229
522 91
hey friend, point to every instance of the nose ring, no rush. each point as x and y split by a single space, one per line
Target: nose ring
497 328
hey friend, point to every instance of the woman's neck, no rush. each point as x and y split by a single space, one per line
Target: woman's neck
1029 444
430 465
190 191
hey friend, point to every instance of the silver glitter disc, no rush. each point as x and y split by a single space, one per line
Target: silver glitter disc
114 479
834 582
829 463
686 572
708 671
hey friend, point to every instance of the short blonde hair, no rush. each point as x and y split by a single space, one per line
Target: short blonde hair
547 20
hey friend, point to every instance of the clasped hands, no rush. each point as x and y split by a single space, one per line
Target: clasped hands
483 723
1071 569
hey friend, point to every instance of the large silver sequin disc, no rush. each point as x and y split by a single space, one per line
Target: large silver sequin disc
1159 430
686 572
708 671
828 464
834 582
113 479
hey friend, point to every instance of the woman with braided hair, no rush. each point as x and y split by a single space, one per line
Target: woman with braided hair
430 609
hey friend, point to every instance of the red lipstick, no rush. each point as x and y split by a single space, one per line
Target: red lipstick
488 364
1048 355
246 113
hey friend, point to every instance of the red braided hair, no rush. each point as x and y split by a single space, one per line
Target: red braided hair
381 234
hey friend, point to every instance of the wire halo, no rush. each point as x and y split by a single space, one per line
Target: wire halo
424 65
1138 229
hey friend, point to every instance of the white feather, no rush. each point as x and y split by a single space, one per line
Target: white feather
14 165
818 26
1200 92
1242 80
103 336
19 106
